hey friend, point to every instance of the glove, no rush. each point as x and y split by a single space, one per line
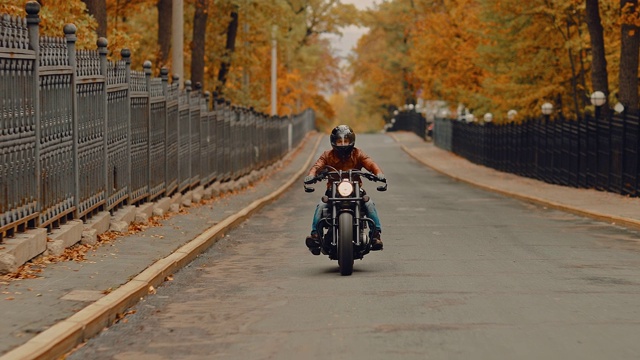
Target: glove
308 179
381 177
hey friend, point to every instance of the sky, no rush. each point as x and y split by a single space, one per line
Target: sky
351 34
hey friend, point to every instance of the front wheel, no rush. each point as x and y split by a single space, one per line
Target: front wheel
345 244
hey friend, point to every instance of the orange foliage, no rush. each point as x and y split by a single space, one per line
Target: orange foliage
55 15
444 50
306 66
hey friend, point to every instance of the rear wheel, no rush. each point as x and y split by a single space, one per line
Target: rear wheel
345 244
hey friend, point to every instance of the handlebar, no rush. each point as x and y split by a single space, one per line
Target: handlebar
327 173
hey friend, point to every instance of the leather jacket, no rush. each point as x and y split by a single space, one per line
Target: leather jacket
357 160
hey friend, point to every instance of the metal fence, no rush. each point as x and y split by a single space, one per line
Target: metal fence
80 134
410 120
593 152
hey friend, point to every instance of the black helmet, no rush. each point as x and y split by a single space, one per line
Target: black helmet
345 147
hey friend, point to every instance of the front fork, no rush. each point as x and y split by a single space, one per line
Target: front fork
360 237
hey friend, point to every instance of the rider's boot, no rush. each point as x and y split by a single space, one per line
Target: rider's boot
376 241
313 243
326 244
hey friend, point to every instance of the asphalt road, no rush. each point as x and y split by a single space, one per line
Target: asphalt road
464 274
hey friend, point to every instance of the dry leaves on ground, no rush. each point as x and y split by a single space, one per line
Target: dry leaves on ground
78 252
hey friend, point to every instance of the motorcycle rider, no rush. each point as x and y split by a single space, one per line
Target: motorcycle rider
344 156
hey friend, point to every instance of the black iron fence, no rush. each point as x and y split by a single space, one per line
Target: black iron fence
80 134
409 121
594 152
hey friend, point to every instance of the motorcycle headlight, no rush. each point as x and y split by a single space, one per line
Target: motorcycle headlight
345 188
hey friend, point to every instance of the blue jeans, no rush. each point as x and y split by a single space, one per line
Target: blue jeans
370 208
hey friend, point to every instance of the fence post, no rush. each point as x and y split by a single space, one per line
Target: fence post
70 35
206 167
164 75
126 56
289 133
187 88
33 25
102 51
147 77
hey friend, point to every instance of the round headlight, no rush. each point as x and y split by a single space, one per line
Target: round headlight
345 188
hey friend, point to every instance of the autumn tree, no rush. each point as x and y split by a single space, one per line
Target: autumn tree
629 47
165 23
198 41
98 9
241 70
445 49
232 34
383 73
53 18
599 73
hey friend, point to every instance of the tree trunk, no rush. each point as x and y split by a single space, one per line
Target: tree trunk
165 12
198 41
599 75
629 48
98 9
232 32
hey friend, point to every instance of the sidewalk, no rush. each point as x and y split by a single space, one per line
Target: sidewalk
600 205
70 301
45 317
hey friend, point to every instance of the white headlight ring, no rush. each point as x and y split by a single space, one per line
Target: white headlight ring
345 188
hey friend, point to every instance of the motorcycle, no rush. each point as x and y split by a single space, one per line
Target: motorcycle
344 227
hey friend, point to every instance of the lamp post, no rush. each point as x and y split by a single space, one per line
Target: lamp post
513 149
598 98
488 141
599 166
544 151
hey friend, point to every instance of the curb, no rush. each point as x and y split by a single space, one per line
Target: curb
617 220
62 337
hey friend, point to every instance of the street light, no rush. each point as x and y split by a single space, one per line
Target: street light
469 118
511 114
488 117
619 108
598 98
547 108
444 113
